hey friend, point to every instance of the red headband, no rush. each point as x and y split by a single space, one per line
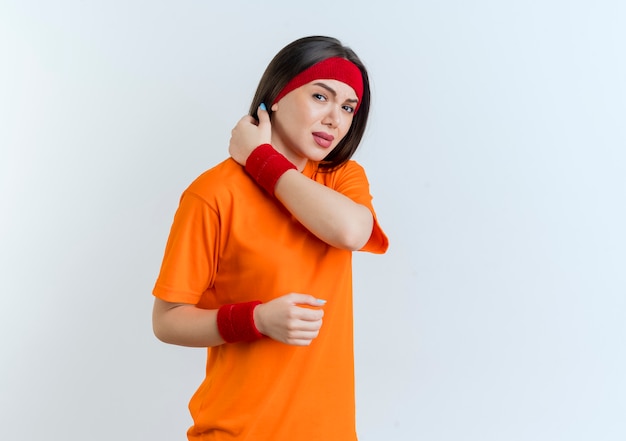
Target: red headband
335 68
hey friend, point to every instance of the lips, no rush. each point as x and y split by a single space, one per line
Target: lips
323 139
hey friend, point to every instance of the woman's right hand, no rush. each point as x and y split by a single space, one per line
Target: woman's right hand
282 319
248 134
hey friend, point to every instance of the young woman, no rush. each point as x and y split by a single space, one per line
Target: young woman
257 267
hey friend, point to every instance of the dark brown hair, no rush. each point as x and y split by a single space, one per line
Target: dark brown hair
298 56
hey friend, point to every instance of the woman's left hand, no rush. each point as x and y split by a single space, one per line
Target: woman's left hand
248 134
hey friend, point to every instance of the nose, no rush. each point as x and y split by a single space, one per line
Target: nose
332 117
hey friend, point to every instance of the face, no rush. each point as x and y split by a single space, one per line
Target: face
309 121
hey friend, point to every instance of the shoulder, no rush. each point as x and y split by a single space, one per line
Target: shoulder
218 180
349 167
352 167
351 171
220 173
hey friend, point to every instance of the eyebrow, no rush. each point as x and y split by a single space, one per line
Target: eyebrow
331 90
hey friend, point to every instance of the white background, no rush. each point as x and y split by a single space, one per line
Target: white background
496 154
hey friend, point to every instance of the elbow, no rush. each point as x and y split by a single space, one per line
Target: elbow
354 242
158 330
356 235
163 334
159 325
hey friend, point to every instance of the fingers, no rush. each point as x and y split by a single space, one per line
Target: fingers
294 319
245 120
299 318
308 315
264 116
304 339
303 323
306 307
301 333
244 137
265 124
306 299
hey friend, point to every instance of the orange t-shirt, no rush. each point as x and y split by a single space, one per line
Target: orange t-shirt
231 242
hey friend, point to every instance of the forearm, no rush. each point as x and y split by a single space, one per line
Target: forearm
329 215
283 319
185 325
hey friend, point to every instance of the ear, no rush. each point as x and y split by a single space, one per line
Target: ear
274 107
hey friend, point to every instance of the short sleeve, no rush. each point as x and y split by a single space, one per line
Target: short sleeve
190 260
351 181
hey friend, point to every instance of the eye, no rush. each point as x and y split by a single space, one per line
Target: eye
348 109
319 97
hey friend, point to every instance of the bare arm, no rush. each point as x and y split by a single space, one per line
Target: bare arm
185 325
331 216
281 319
